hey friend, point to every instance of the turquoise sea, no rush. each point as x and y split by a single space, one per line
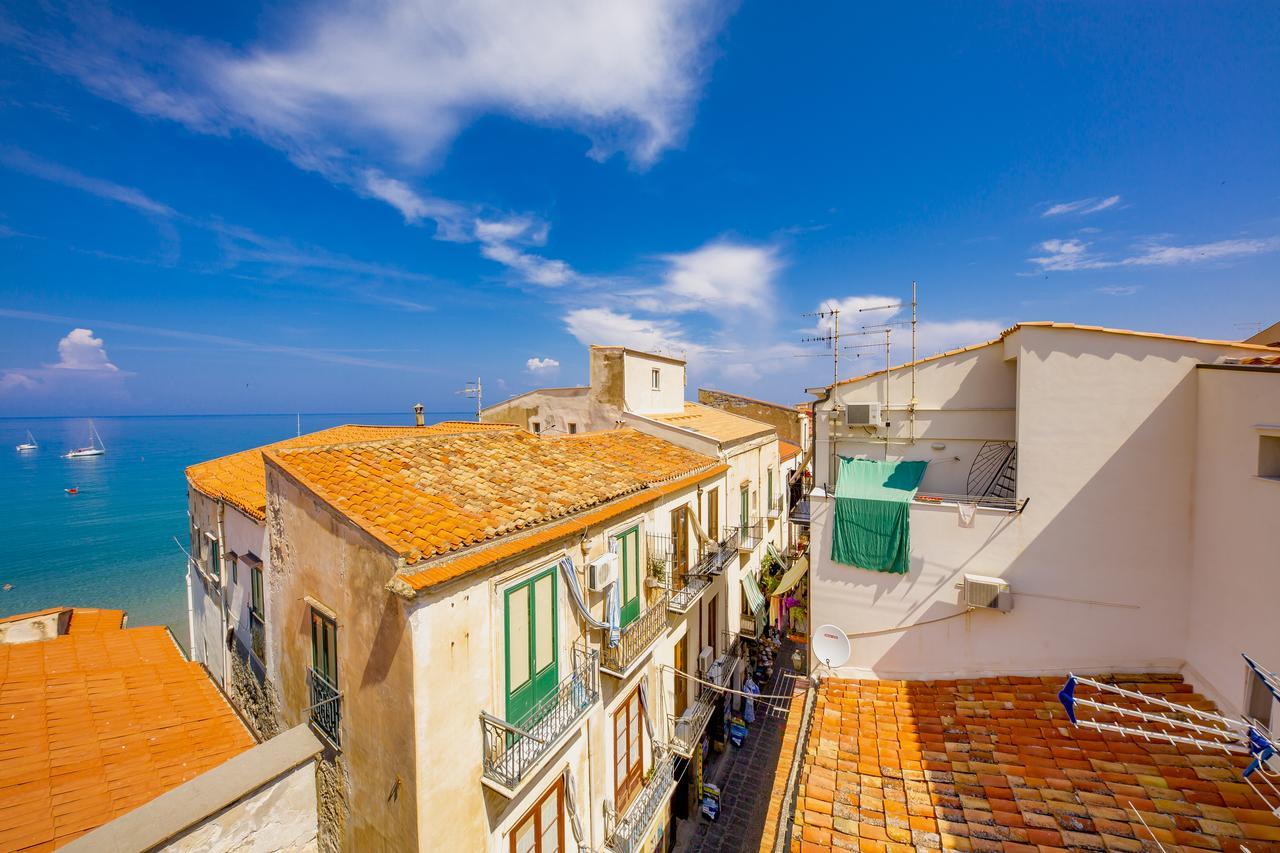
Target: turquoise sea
111 544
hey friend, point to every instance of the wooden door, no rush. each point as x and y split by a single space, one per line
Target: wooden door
680 539
628 751
682 684
532 662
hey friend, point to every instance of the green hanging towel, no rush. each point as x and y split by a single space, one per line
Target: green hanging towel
872 523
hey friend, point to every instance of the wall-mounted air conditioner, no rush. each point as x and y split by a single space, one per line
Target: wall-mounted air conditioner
986 592
684 725
602 571
705 658
862 414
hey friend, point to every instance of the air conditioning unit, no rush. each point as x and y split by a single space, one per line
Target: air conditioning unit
705 657
684 725
602 571
862 414
986 592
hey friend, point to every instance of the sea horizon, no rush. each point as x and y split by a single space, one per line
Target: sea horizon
111 544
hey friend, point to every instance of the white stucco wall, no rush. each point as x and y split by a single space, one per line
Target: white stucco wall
1099 561
1236 542
278 817
638 390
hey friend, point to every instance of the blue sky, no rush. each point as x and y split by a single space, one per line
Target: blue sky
334 207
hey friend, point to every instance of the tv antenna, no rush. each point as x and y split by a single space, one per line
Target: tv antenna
473 389
832 338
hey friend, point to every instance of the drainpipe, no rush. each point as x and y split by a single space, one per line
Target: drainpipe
418 419
191 611
222 584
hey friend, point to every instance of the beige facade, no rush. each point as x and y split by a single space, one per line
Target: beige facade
787 420
1113 497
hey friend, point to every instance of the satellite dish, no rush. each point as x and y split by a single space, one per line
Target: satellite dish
831 645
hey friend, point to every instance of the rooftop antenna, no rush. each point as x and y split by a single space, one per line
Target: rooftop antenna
832 338
299 423
1137 715
473 389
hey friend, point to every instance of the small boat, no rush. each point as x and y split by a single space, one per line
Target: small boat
28 445
72 491
94 448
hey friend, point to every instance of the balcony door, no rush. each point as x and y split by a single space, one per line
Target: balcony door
713 625
682 666
745 511
629 553
324 647
713 514
531 641
628 751
541 830
680 538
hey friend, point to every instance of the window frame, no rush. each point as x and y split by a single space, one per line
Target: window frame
629 784
530 582
535 814
213 564
655 379
324 620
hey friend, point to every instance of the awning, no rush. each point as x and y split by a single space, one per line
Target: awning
872 519
793 575
755 599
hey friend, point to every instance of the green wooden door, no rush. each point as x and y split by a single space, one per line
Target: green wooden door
531 640
629 553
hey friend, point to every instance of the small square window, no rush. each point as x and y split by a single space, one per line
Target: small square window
1269 456
573 428
655 377
535 426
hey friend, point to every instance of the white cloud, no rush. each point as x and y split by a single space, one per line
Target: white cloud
505 241
1082 207
1069 255
607 327
542 366
720 274
16 158
450 218
14 380
1119 289
936 337
80 350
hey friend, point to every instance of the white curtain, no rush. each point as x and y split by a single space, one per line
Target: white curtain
571 801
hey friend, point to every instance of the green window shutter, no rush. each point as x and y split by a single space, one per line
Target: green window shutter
531 644
629 552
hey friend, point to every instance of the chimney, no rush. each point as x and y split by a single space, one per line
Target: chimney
417 415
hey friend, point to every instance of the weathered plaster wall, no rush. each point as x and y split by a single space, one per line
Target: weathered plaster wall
1236 541
318 555
553 409
278 817
35 629
207 638
641 397
784 419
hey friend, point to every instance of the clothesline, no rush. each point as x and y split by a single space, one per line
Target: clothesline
712 684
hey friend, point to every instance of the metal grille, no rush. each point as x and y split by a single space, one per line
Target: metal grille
511 749
326 706
629 833
637 637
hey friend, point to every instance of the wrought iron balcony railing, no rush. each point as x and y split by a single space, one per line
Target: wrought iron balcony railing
637 638
257 636
685 590
326 707
629 833
687 729
750 535
512 749
688 582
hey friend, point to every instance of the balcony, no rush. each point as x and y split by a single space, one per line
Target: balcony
512 751
801 511
637 638
687 584
750 535
633 825
687 729
326 707
685 590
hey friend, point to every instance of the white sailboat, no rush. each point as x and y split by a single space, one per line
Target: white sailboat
94 448
29 444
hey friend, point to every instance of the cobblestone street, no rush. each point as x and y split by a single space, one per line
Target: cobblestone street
745 774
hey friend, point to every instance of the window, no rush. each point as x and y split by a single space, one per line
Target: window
655 379
1269 456
682 684
713 625
744 511
541 830
235 569
1258 700
769 496
256 603
680 538
535 426
713 514
257 615
213 557
532 666
573 428
629 562
324 647
628 751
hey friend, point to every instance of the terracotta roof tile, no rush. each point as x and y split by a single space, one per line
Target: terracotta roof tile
240 480
993 764
714 423
98 721
433 495
787 450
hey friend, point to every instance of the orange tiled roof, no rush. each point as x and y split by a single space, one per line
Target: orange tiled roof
433 495
787 450
96 723
1262 360
240 480
714 423
994 765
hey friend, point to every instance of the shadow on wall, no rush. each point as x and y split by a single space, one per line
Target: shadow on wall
1099 570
